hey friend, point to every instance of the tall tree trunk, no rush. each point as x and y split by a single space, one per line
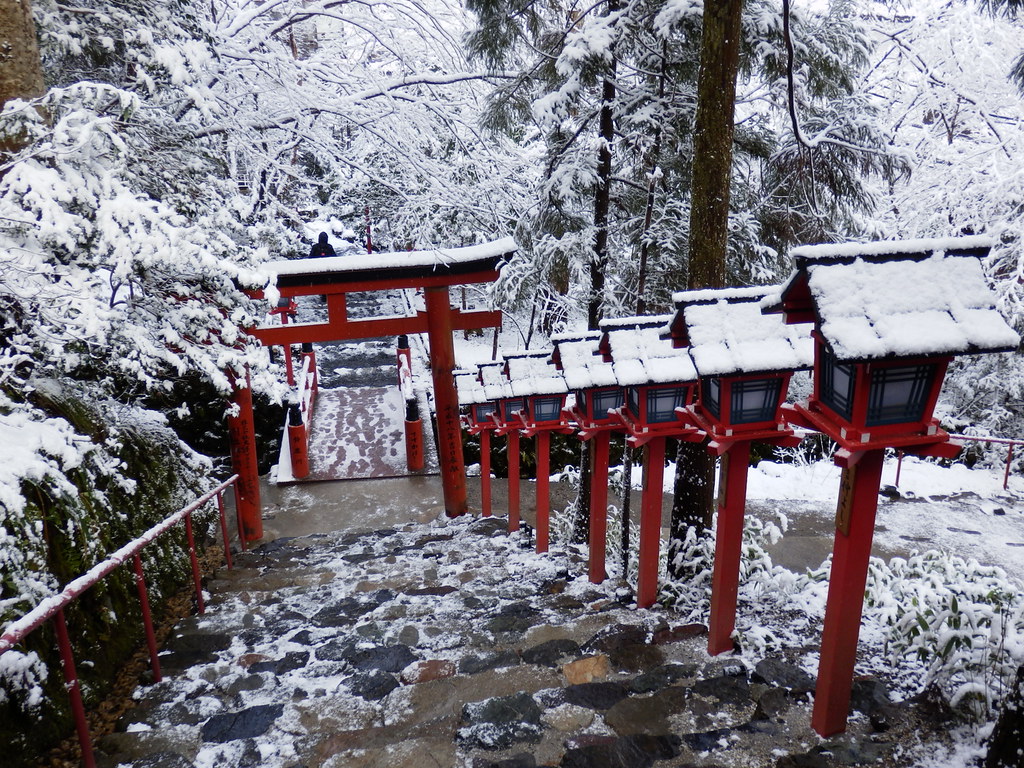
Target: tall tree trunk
1006 745
598 264
709 230
652 182
603 192
21 70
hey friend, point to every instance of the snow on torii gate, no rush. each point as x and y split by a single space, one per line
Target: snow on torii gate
434 271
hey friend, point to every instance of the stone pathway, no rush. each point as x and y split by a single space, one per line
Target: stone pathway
451 643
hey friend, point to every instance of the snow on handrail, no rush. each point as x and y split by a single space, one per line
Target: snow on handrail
307 388
17 630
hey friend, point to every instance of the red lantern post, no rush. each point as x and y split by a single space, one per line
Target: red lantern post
744 359
888 318
597 397
657 378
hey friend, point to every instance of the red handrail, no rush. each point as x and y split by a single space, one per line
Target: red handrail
52 608
976 439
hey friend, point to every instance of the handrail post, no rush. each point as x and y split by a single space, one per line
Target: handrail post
1006 474
147 618
67 658
224 528
196 580
899 467
238 517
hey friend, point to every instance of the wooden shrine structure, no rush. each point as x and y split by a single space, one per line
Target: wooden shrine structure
433 272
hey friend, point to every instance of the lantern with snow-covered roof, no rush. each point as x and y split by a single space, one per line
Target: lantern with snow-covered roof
540 386
597 398
888 318
745 360
533 379
592 380
658 378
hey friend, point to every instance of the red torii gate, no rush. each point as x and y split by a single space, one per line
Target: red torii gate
335 277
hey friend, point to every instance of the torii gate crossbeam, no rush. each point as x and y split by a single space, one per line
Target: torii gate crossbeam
434 272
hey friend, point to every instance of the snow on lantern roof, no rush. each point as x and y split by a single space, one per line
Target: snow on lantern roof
642 353
718 294
533 373
422 263
728 334
971 245
471 391
494 381
897 300
581 361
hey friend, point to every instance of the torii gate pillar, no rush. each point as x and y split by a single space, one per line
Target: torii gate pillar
242 434
446 399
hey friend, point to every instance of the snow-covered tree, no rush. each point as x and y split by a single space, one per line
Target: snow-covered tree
958 119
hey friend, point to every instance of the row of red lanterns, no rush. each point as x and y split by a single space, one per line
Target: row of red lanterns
877 324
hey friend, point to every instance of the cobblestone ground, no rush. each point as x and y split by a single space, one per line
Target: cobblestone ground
453 644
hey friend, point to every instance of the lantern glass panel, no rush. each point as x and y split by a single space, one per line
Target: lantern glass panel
582 400
606 400
837 384
711 396
546 408
633 401
483 412
662 403
509 407
899 394
754 400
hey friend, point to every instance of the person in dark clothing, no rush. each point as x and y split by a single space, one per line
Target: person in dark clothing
321 248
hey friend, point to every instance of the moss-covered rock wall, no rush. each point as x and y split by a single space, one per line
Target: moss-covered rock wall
100 475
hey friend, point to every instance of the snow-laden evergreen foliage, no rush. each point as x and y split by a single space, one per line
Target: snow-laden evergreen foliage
942 72
784 193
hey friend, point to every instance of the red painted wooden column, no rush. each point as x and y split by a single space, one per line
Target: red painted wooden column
650 523
543 504
446 400
242 436
513 481
599 506
858 502
732 502
298 442
485 472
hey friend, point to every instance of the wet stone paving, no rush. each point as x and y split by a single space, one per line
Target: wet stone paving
453 644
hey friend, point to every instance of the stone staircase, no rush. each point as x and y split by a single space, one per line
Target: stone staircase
453 644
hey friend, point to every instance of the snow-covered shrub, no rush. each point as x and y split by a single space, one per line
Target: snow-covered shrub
962 622
691 596
932 619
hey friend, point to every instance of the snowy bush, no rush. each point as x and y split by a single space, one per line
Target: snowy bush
962 622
